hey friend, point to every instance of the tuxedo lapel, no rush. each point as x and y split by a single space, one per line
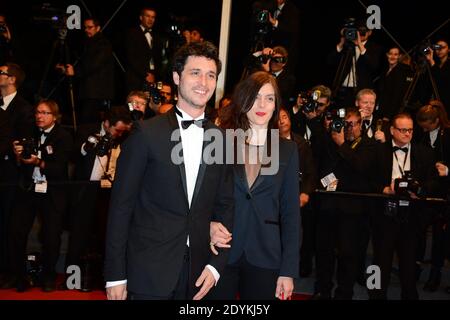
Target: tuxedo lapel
174 126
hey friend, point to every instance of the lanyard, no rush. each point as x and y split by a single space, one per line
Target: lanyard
402 170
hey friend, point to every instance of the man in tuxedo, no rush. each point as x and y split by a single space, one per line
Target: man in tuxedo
396 226
95 162
373 126
21 121
95 73
43 165
158 241
143 52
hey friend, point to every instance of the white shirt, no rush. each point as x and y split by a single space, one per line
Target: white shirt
400 162
192 142
350 81
369 131
7 100
149 38
37 176
100 162
433 136
277 13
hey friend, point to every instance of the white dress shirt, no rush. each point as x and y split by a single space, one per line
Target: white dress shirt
400 162
350 81
7 100
433 136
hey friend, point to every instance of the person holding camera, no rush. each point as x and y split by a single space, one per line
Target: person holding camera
345 164
43 165
21 121
362 66
95 72
96 149
440 69
138 104
406 170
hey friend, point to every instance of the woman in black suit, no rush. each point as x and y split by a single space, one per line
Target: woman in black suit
264 253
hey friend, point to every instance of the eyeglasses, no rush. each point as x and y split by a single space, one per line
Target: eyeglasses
45 113
4 73
404 130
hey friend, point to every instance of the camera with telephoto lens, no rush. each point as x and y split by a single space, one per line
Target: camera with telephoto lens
135 114
263 58
101 145
337 117
29 148
406 184
154 92
310 101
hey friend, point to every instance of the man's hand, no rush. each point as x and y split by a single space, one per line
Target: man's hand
206 281
285 287
220 236
117 292
338 137
379 136
442 169
304 199
388 190
359 43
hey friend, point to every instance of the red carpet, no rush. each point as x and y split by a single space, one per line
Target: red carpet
37 294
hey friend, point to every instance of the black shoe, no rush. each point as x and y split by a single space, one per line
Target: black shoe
433 281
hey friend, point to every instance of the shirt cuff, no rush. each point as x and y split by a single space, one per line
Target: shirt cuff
339 49
214 272
83 152
446 171
276 24
115 283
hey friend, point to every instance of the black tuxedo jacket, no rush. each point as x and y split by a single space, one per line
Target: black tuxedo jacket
306 164
5 135
138 55
367 66
84 164
21 118
422 167
150 219
266 227
96 69
55 152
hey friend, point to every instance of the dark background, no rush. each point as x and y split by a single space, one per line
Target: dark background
320 23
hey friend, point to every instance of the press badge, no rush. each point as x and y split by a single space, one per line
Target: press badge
49 149
40 187
328 180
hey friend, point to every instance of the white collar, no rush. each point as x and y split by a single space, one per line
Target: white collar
7 100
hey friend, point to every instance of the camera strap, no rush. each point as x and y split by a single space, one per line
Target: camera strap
402 169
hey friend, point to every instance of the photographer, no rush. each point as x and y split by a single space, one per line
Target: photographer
373 126
362 67
97 147
441 70
345 164
95 73
407 170
137 102
43 165
274 61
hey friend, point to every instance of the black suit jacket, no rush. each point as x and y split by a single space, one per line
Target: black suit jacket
138 55
21 117
367 66
56 152
150 219
84 163
422 167
307 167
286 83
5 135
391 89
267 225
96 69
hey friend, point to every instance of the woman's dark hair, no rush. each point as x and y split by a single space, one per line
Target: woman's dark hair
244 96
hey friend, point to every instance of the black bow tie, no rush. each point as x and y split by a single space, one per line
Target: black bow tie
148 31
404 149
366 124
199 123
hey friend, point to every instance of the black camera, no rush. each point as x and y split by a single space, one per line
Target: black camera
263 58
101 145
135 114
262 17
153 90
406 184
351 28
310 101
29 147
337 117
430 48
279 59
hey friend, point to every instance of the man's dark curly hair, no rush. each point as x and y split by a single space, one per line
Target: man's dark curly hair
195 49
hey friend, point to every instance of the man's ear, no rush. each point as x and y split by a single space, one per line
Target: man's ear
176 78
106 124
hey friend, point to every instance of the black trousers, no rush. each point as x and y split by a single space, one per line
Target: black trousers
181 290
246 281
391 235
24 212
337 239
308 230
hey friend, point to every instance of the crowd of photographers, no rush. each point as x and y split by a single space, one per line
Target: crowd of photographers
368 160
